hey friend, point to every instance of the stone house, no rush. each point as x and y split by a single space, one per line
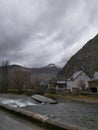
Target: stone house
78 80
44 84
61 85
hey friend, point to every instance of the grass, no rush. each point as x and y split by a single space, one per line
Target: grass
82 98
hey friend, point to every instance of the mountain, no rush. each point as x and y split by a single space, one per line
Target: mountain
43 73
18 67
46 72
49 69
85 59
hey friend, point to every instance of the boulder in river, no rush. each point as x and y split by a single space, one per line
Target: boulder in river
43 99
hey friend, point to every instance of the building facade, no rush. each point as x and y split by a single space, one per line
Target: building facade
93 84
78 80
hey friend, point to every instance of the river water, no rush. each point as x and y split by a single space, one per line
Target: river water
82 114
77 113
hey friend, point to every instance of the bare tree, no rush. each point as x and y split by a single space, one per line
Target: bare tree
4 76
81 84
21 80
36 84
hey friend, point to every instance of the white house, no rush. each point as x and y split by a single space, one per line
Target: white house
78 80
96 75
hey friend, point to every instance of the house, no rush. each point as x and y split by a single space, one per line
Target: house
78 80
61 85
93 84
44 84
43 87
96 75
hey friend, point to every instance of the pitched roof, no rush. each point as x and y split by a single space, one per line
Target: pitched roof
96 75
44 83
61 82
75 75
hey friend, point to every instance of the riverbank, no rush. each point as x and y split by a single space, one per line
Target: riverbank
9 121
78 98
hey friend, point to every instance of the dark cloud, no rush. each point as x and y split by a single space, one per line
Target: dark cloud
37 32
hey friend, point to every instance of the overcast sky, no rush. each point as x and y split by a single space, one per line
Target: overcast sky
34 33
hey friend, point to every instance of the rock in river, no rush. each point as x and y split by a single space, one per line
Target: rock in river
43 99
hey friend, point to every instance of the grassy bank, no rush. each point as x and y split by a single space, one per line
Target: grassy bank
82 98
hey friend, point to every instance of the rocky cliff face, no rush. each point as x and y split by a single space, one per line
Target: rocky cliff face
85 59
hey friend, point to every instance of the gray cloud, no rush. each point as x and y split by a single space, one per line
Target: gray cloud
37 32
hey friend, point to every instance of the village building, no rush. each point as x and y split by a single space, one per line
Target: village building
93 84
44 84
61 85
78 80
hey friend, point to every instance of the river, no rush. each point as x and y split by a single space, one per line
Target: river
82 114
77 113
